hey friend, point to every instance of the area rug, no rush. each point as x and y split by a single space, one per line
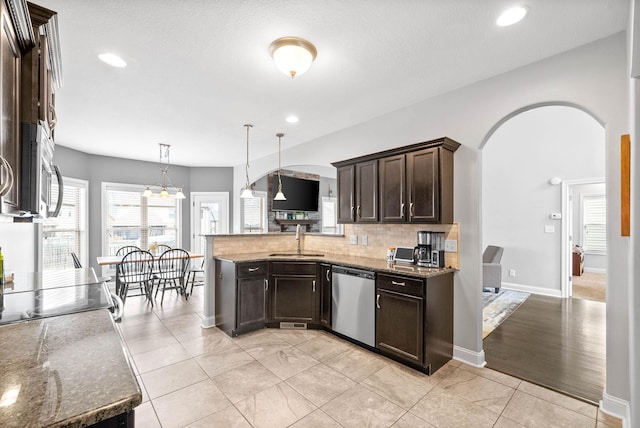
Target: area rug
496 307
590 286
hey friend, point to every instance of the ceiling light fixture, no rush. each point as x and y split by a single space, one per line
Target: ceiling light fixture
166 183
512 16
292 55
279 196
112 59
247 192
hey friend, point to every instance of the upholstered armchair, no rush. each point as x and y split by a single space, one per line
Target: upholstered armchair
491 267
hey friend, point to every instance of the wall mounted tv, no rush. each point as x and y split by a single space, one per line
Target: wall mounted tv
301 194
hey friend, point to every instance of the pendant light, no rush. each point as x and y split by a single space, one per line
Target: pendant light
165 185
279 196
246 192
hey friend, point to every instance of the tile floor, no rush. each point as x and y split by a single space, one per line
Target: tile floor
194 377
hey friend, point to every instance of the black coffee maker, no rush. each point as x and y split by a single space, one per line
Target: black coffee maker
430 249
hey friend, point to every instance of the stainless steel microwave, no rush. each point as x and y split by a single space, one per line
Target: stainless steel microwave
37 171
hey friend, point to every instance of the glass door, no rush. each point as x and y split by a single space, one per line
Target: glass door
209 216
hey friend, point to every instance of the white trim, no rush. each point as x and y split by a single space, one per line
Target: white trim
194 215
467 356
532 289
616 407
595 270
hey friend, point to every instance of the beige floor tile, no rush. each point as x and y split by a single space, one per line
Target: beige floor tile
288 362
507 423
357 364
151 342
191 332
149 327
401 385
505 379
320 384
216 363
171 378
294 337
316 419
246 381
324 347
189 404
146 416
409 420
531 411
567 402
444 371
360 407
261 343
485 393
446 410
210 343
185 318
229 417
608 420
276 407
145 396
161 357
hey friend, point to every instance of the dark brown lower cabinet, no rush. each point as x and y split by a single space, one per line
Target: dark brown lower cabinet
294 292
399 322
325 295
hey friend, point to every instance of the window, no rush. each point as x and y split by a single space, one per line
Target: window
130 219
68 231
329 215
254 213
594 224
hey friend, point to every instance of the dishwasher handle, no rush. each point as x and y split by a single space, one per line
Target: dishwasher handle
342 270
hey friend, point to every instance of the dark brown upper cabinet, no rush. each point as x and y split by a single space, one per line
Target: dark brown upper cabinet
411 184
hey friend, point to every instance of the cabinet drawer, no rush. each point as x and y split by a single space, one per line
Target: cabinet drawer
297 268
251 269
411 286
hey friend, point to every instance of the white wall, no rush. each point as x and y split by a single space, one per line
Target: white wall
593 76
592 262
517 163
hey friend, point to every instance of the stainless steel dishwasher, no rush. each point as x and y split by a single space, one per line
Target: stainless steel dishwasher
353 303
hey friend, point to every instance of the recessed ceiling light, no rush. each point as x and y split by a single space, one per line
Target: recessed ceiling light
292 119
511 16
112 59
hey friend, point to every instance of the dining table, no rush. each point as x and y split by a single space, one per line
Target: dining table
116 260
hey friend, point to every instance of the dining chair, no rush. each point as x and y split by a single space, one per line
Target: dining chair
171 269
194 278
135 272
76 260
126 249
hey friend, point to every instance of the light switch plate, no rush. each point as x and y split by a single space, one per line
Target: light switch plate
549 229
365 240
353 239
450 246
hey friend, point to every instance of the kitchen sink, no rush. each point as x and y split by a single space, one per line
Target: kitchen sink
296 255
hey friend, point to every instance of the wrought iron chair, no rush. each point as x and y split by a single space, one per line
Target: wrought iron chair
76 260
126 249
171 269
135 272
194 278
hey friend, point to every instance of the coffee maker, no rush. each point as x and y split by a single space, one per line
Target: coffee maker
430 249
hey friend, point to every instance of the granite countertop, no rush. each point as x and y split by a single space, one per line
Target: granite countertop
377 265
66 371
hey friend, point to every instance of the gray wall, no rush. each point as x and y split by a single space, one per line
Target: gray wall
98 169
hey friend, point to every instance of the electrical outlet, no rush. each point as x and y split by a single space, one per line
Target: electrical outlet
451 246
549 229
365 240
353 239
512 273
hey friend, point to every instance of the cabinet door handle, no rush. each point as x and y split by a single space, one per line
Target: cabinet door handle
327 275
402 210
411 213
378 301
402 284
266 284
253 269
314 285
353 213
358 212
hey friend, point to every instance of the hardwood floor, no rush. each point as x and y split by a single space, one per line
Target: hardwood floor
553 342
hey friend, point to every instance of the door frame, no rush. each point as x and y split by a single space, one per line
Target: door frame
565 250
200 197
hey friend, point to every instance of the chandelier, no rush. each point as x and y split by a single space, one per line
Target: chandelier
165 184
247 192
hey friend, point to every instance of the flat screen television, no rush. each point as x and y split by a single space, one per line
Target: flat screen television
301 194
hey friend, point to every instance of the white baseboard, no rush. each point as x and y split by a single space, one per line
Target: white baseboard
208 322
616 407
595 270
532 289
467 356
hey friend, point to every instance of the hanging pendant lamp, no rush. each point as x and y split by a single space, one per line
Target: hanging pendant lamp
247 192
279 196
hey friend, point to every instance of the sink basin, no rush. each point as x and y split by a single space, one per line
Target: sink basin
296 255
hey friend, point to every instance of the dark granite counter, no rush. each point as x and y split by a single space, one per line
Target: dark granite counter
66 371
343 260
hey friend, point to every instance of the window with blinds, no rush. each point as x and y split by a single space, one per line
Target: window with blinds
594 224
67 232
254 213
130 219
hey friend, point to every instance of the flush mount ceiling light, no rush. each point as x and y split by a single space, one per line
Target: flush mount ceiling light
512 16
246 192
165 185
112 59
279 196
292 55
292 119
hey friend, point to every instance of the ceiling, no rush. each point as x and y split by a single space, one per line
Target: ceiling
198 70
